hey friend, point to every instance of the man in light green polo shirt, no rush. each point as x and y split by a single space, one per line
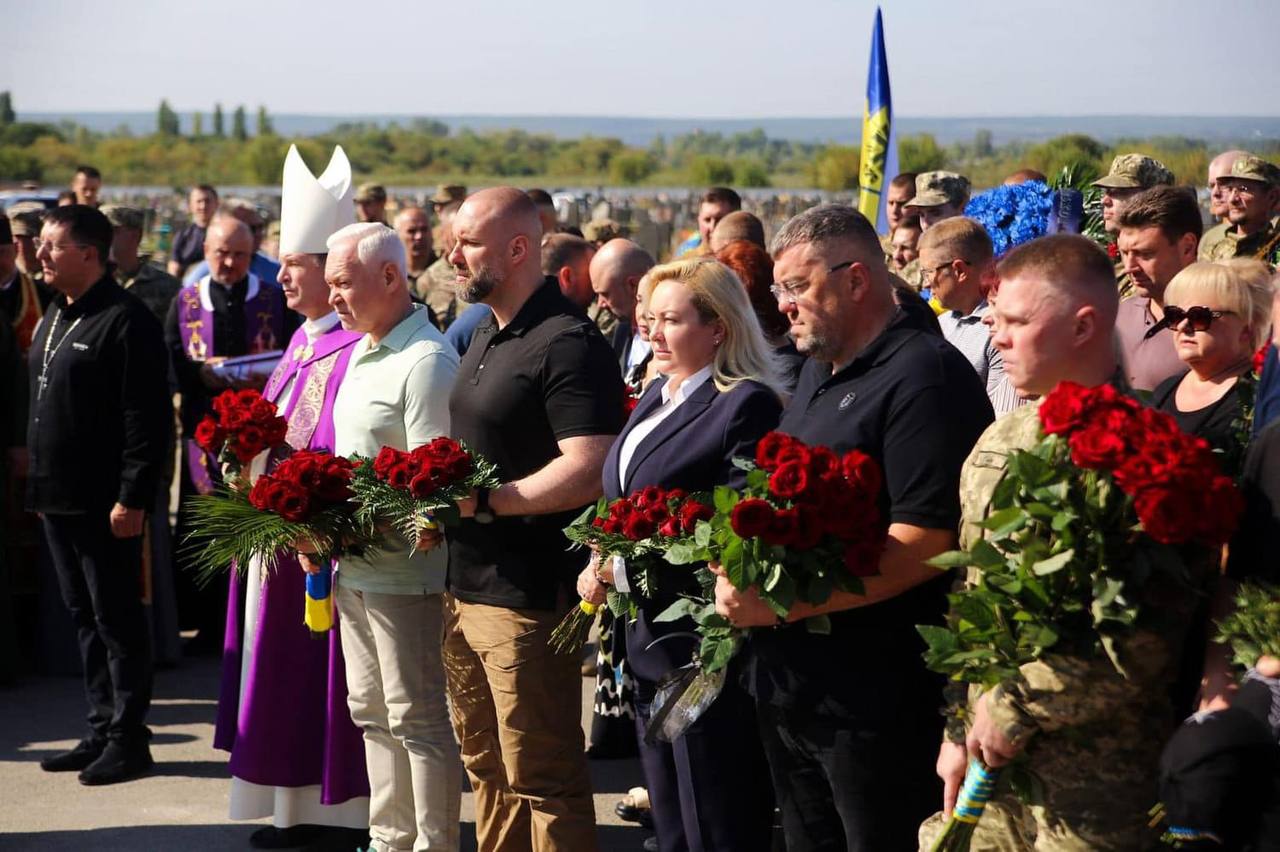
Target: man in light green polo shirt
395 393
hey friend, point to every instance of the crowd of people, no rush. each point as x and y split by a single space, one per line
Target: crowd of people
581 367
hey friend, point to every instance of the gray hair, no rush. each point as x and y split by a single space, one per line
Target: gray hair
825 223
376 244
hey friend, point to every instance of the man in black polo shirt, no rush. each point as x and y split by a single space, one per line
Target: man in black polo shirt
850 720
538 393
99 417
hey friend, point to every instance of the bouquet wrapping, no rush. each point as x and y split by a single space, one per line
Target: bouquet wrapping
305 500
243 424
639 528
1085 521
418 490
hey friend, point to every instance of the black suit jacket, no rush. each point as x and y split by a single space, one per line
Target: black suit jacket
692 449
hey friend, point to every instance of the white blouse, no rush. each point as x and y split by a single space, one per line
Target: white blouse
670 402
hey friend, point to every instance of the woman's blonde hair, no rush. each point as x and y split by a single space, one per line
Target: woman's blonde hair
1241 285
717 294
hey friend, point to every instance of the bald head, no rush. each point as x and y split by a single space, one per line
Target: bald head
496 250
1220 167
228 249
616 271
738 225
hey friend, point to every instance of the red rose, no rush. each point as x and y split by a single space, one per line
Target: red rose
751 517
862 558
809 528
784 528
676 494
1260 358
629 404
823 461
638 526
648 496
1097 448
209 436
790 480
399 475
458 465
247 397
226 401
275 431
1225 505
1063 408
423 485
1113 250
249 442
612 526
795 452
260 494
670 527
261 410
233 418
597 522
1168 514
292 502
383 462
768 448
692 512
658 513
862 471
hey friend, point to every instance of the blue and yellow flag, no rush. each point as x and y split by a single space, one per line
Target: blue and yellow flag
879 149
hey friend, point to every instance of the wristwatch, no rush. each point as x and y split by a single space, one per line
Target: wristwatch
484 513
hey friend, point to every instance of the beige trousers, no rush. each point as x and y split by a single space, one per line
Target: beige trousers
517 711
395 689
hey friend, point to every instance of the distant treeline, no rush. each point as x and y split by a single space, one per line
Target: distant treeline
424 152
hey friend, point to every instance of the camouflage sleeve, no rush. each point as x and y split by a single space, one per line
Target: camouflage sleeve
1057 692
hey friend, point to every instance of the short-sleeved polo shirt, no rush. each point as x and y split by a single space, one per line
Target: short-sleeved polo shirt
547 376
915 404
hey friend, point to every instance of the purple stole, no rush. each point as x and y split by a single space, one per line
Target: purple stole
294 728
264 323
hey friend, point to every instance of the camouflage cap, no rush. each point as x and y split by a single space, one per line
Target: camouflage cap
26 218
449 192
125 217
933 189
1254 168
602 230
1135 171
371 192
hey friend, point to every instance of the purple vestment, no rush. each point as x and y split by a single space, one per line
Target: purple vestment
293 728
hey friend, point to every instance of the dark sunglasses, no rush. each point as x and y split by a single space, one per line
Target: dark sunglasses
1198 318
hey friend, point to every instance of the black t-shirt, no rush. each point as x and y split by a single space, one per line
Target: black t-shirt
547 376
1254 552
911 401
1218 423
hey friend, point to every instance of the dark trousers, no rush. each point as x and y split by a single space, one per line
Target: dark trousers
709 789
202 608
846 787
98 575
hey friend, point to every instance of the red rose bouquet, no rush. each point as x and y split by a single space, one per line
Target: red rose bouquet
242 425
639 528
1101 509
417 490
305 499
808 523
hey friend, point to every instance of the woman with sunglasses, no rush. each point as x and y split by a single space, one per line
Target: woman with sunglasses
1220 314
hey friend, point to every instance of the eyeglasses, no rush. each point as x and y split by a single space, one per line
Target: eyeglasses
932 273
52 247
1198 318
791 292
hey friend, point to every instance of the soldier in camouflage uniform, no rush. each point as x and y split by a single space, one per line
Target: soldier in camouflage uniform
134 272
1129 175
901 190
904 257
1092 737
939 195
1252 187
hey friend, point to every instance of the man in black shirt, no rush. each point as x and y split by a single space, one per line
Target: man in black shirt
96 438
188 244
850 719
538 394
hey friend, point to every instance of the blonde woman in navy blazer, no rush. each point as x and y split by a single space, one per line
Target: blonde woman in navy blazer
717 396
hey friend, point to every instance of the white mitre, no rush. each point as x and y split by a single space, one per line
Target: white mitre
311 208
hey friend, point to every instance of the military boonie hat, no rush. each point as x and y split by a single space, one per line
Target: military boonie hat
602 230
1254 168
125 217
448 192
933 189
371 192
1135 171
26 218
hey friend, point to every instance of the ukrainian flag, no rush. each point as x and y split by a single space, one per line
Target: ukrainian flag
879 148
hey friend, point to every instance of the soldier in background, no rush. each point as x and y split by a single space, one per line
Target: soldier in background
600 231
25 219
371 203
904 255
1092 736
23 299
1129 175
447 195
939 195
134 272
901 190
86 184
413 227
436 286
1252 190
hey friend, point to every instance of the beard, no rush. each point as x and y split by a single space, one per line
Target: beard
479 286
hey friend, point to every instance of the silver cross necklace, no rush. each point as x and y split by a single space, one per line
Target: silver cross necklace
42 381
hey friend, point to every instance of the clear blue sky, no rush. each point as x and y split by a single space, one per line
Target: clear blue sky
738 58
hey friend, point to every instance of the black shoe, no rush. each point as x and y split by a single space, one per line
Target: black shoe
339 840
651 844
270 837
85 753
117 763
